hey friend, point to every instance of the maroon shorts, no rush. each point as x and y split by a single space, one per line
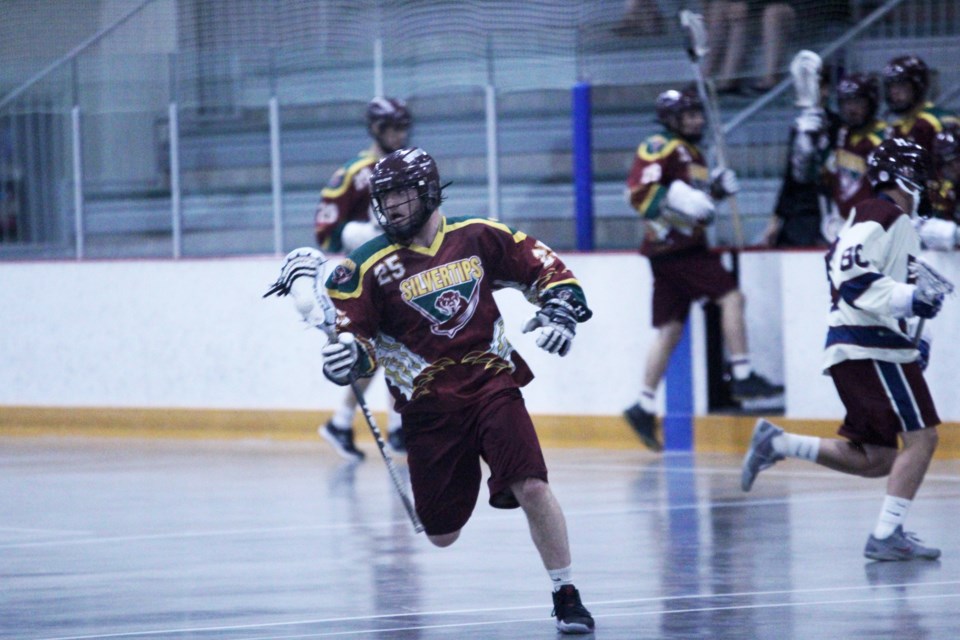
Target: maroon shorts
444 452
882 399
681 279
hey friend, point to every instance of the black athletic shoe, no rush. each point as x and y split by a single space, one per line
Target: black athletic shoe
342 441
572 616
754 386
644 424
396 441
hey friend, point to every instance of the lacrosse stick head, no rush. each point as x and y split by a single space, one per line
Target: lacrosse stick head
805 69
931 284
695 33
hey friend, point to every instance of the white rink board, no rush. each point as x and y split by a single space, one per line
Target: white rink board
196 334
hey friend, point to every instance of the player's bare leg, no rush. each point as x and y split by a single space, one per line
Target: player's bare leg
642 416
658 357
912 462
444 539
548 528
869 461
747 384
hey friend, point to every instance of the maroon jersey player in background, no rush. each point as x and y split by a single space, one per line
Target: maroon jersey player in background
343 222
671 188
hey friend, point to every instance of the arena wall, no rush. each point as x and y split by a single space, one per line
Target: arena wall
190 347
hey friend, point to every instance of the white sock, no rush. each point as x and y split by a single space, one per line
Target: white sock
560 577
343 418
648 400
892 515
792 445
740 366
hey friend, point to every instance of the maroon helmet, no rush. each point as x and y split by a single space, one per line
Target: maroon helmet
900 163
946 144
671 104
860 85
384 112
410 168
909 69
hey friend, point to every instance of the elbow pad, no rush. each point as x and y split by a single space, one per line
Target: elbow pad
689 202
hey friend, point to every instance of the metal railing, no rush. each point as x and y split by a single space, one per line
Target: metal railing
132 154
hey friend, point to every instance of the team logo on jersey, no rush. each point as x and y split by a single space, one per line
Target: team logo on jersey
337 178
343 272
446 295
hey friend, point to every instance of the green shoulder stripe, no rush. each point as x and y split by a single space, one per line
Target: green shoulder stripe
346 281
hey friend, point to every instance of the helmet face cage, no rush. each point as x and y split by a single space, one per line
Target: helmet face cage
671 105
860 85
901 163
912 70
410 168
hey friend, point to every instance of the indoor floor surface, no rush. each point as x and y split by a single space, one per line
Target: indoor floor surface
164 539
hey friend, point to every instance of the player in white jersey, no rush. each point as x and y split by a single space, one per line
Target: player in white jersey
873 360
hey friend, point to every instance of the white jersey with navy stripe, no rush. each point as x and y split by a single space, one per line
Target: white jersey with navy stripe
867 268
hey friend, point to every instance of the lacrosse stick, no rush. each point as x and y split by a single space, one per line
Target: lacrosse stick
805 69
695 35
930 284
302 277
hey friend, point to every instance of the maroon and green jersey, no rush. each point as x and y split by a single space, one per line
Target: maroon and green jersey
921 125
427 315
346 198
661 159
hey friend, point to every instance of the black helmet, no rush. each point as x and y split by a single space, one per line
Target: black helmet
900 163
860 85
906 69
671 104
410 168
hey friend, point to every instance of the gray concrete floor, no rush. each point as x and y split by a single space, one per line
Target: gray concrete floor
255 539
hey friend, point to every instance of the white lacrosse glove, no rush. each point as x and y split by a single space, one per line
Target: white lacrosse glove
340 359
723 183
559 326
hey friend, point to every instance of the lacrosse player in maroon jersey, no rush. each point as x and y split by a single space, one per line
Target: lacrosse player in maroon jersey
419 303
858 98
906 83
671 188
343 222
876 283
